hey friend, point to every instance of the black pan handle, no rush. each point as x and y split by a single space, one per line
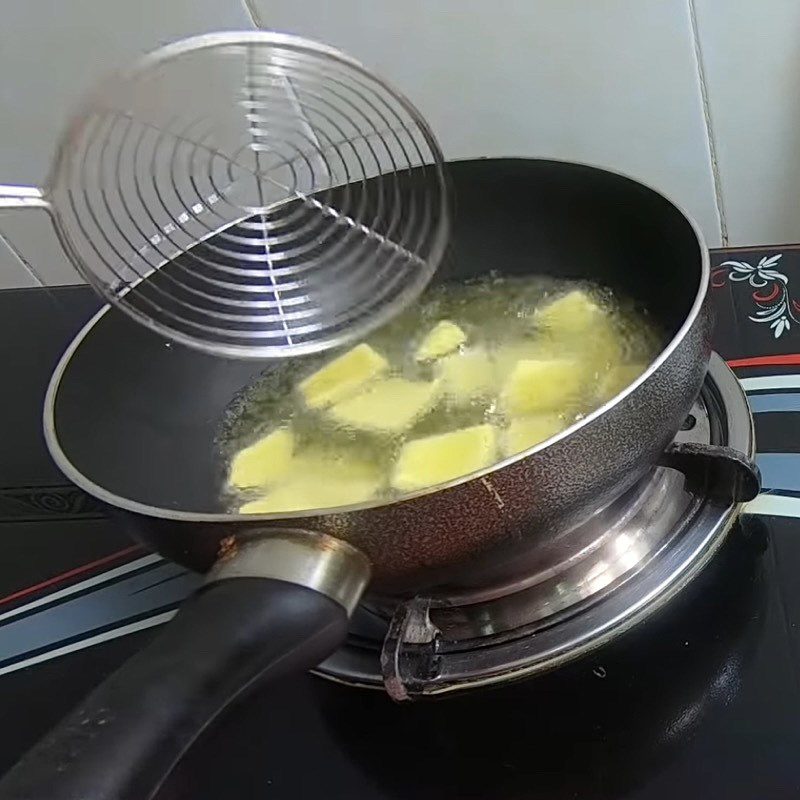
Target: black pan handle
722 472
125 738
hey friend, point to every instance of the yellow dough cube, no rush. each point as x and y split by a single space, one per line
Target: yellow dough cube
602 347
437 459
617 378
263 462
387 406
508 355
466 376
445 337
573 313
320 464
342 377
542 385
578 325
321 479
307 493
525 432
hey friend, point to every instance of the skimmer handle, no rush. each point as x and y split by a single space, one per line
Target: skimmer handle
22 197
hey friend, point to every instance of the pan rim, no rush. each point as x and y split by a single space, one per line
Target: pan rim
127 504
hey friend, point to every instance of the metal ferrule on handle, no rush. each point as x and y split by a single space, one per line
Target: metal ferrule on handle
316 561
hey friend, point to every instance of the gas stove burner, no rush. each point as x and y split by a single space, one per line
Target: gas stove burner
608 574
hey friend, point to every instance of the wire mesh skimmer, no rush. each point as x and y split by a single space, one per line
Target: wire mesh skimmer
251 194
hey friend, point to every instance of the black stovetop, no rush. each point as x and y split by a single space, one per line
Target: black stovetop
702 700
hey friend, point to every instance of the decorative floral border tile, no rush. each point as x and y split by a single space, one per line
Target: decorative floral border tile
37 503
757 299
772 299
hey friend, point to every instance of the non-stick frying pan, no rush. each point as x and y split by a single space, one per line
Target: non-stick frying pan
132 419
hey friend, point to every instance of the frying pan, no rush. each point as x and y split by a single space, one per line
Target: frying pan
132 419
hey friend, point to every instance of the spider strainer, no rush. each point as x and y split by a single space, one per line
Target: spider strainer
251 194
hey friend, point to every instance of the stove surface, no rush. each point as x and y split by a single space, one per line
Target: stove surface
704 694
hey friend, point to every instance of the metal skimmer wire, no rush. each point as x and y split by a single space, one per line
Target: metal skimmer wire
322 187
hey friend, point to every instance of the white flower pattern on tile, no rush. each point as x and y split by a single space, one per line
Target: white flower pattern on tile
775 305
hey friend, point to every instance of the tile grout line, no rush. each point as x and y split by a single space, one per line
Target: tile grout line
252 12
710 139
15 253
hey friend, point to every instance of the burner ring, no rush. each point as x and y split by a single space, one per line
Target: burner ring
511 636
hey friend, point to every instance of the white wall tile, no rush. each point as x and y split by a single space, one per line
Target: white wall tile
13 274
751 58
34 238
51 51
611 83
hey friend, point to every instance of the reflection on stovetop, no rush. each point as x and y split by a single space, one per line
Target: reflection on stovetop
558 725
594 728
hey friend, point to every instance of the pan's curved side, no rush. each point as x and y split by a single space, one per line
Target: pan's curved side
133 418
475 533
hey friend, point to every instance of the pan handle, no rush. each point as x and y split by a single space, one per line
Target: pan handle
240 628
724 473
